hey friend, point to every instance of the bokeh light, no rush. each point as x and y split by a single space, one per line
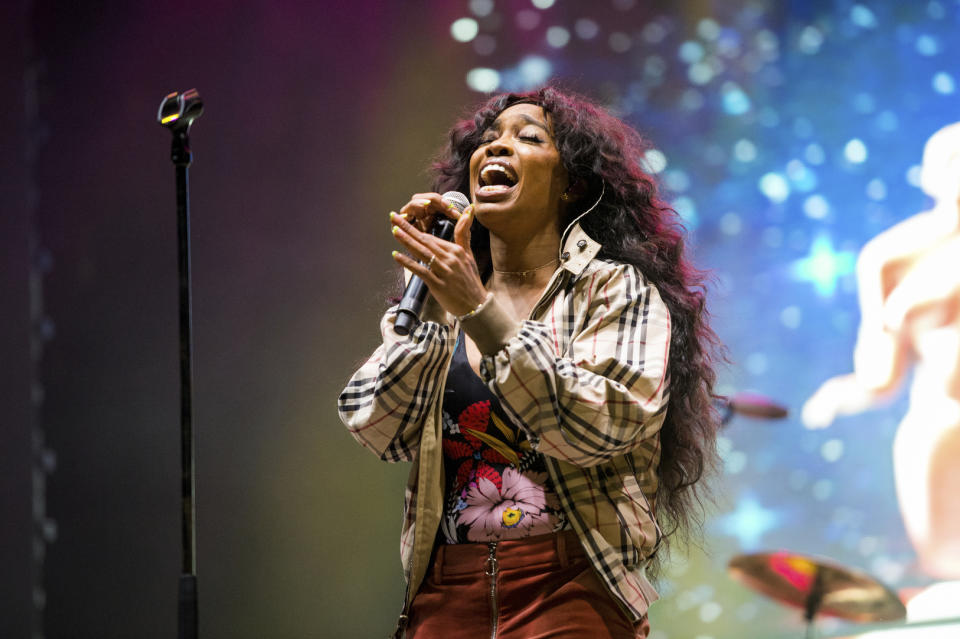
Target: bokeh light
483 79
464 29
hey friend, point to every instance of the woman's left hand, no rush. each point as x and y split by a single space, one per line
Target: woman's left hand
452 276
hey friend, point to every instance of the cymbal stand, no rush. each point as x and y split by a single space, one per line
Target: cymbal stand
812 604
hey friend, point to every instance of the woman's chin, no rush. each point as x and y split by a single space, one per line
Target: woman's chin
486 210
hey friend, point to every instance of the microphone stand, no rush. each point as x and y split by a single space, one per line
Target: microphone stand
177 112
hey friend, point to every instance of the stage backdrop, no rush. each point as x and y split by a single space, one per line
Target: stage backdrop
786 135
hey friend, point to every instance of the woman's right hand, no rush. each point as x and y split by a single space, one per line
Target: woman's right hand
423 209
447 268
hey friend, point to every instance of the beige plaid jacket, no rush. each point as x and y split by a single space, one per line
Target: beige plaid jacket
585 377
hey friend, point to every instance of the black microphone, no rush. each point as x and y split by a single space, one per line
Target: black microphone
408 313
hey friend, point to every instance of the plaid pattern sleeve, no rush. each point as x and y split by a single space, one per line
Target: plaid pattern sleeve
587 380
387 400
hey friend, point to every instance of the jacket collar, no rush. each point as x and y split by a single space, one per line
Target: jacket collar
577 250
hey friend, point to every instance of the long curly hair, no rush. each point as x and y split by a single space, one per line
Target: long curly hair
633 226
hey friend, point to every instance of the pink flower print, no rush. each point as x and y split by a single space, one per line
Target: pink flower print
520 509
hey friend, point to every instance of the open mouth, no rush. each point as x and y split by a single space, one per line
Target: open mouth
496 178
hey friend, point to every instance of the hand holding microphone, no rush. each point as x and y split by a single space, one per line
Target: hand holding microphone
445 267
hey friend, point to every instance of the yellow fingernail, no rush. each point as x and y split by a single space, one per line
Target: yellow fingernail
395 230
425 202
392 213
394 253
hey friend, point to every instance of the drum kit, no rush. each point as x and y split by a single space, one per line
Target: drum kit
818 586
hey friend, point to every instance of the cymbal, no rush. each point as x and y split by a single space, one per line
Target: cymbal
751 405
756 406
817 586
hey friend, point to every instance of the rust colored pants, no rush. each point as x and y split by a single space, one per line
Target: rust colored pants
537 588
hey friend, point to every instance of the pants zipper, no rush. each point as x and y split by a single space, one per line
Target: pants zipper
491 568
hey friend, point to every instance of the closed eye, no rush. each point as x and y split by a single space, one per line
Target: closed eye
533 138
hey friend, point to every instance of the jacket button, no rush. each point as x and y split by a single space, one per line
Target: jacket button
565 256
582 244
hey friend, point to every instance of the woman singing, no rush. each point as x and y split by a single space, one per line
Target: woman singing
556 397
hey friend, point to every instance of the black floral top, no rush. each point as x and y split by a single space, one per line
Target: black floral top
496 487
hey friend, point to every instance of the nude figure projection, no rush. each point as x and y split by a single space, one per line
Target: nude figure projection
909 289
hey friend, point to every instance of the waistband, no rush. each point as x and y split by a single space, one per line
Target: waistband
558 549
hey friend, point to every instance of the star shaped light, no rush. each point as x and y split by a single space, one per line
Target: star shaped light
749 522
823 266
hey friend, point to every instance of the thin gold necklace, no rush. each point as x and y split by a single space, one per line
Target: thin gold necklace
528 271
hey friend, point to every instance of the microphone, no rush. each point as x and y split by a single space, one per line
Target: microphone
408 313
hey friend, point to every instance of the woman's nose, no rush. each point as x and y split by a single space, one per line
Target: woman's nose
498 147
